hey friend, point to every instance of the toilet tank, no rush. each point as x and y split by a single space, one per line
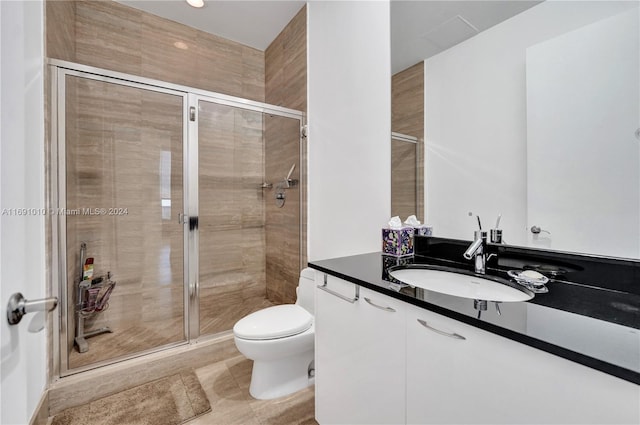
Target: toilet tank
306 290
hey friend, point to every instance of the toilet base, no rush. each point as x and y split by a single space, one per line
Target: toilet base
277 378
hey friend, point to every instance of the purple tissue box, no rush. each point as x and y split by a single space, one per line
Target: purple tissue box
397 242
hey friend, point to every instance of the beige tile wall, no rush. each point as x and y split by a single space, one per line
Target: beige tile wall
407 117
60 30
286 65
108 161
113 36
286 81
282 141
231 214
403 179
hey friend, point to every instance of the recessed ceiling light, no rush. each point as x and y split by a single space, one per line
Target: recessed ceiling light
196 3
181 45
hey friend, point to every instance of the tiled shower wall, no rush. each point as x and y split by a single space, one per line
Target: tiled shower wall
116 37
407 117
109 35
231 215
286 85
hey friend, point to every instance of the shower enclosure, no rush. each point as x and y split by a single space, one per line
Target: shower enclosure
163 186
407 181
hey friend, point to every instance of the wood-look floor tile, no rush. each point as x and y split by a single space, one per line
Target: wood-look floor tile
229 403
298 408
218 313
226 384
240 368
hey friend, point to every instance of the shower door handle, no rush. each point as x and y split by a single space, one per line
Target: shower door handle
187 219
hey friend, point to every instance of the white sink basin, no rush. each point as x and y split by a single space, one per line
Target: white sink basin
460 285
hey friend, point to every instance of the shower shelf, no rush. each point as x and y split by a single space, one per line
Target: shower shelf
100 302
92 299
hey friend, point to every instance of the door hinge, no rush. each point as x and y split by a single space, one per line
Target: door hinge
192 113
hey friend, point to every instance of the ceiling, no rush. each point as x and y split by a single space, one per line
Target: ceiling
253 23
419 28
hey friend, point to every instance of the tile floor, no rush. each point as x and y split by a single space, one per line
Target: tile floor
226 383
217 313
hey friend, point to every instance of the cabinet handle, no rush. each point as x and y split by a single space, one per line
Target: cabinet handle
392 310
342 297
453 335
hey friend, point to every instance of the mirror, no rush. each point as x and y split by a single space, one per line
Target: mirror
531 111
407 142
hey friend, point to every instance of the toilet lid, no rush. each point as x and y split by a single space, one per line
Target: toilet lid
274 322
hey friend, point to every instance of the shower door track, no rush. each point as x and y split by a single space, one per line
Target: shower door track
221 98
59 70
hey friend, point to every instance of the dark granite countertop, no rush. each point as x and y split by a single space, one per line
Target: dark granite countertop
594 326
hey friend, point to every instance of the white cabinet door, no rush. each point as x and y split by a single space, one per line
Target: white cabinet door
485 378
360 356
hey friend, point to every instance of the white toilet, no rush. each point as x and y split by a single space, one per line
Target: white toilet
280 341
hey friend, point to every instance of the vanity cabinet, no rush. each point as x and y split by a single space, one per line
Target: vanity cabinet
457 373
411 365
360 355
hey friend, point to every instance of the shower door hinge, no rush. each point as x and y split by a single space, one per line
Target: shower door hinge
192 113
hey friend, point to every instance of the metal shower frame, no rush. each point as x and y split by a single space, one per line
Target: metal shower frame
191 97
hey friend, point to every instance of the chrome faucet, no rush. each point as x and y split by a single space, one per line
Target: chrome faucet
477 250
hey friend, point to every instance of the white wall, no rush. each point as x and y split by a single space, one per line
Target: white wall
583 107
475 120
23 372
349 112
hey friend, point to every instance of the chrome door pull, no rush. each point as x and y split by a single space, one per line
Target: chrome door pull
392 310
18 306
339 295
438 331
536 230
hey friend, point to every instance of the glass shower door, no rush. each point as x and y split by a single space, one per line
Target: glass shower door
405 182
121 191
231 215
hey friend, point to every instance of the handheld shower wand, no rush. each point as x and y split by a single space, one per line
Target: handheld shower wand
287 180
285 184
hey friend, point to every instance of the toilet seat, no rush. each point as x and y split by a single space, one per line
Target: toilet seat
274 322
